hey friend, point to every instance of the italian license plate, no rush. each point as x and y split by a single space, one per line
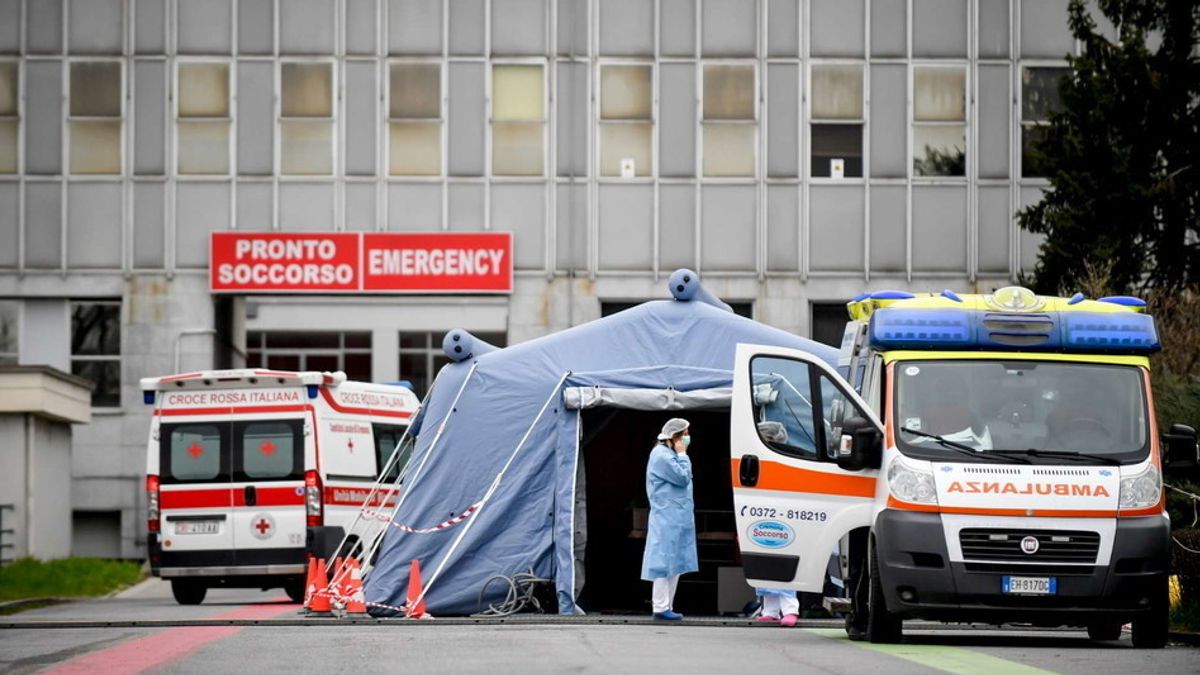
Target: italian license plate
197 527
1029 585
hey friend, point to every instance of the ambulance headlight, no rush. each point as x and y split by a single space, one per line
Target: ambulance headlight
911 485
1141 491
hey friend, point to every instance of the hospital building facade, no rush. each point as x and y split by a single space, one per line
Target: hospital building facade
793 152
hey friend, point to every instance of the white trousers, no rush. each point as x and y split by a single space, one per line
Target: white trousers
663 595
780 606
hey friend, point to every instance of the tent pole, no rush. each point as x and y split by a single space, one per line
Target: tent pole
416 474
383 472
491 490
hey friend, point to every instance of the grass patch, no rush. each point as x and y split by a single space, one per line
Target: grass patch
68 577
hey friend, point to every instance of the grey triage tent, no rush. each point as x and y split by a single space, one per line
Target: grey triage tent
517 412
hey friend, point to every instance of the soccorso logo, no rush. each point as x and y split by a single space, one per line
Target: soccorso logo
771 533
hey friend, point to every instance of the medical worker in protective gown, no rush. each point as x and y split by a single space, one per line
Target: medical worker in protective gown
671 533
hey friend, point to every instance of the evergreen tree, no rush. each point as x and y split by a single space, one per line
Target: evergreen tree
1122 153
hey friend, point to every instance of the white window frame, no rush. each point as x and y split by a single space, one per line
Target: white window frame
334 120
68 119
599 121
811 121
17 117
544 63
231 118
442 119
702 65
968 163
1022 123
302 353
119 357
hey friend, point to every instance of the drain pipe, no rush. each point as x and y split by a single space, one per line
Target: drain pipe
184 333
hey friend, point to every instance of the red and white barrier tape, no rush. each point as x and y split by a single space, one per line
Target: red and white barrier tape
336 597
427 530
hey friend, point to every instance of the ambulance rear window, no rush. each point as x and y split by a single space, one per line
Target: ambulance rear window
270 449
195 452
387 436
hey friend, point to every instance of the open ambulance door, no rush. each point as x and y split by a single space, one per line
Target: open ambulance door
805 451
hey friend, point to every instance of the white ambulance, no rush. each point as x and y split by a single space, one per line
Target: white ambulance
251 472
975 458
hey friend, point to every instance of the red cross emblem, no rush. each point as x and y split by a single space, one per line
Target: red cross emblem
267 448
262 526
195 450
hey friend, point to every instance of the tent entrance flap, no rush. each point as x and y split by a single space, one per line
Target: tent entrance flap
614 446
584 398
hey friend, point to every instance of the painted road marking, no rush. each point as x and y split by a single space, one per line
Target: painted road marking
164 646
940 657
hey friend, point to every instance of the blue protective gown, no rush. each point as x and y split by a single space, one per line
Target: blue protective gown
671 532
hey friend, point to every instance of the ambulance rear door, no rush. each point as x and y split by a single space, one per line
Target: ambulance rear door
791 499
195 500
268 490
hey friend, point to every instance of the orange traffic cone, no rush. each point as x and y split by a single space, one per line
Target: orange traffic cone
310 582
356 602
413 608
319 604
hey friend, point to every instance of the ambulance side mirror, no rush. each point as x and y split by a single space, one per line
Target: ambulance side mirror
1180 447
860 447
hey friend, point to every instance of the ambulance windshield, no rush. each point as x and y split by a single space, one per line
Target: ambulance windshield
1057 408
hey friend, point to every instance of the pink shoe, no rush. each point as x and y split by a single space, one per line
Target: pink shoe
769 619
789 620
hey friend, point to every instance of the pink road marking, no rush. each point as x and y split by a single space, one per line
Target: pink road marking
164 646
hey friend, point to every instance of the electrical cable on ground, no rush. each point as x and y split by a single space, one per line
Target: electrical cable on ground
522 594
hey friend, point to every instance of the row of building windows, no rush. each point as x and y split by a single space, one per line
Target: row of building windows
518 118
96 345
623 28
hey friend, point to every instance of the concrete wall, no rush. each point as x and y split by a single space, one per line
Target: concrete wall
780 220
36 456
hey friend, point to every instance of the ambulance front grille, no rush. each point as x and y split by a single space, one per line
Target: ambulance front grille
1054 546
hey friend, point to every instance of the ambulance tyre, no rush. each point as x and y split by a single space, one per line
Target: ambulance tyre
1104 630
1150 629
295 589
883 627
188 592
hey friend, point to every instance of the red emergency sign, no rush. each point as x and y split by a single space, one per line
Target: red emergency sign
341 262
273 262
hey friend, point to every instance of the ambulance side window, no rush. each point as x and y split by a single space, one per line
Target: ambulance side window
782 401
193 453
386 438
270 450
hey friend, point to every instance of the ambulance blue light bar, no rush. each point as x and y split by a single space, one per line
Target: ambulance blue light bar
1121 333
916 328
1110 332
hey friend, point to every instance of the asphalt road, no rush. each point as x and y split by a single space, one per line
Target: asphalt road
260 632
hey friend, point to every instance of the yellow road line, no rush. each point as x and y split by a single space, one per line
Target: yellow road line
940 657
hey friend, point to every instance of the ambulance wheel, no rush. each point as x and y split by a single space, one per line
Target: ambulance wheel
188 592
1150 629
295 589
883 627
1104 630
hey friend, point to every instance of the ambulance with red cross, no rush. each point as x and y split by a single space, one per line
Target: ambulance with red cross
984 458
251 472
